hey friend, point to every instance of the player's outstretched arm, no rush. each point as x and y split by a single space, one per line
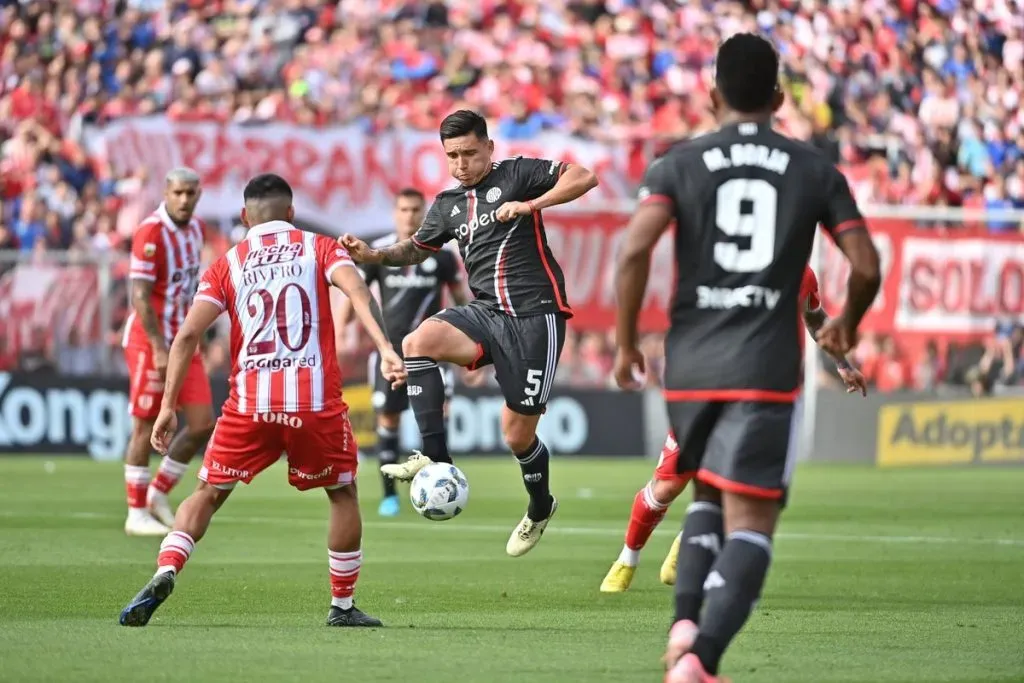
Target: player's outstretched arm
369 314
199 318
404 253
632 269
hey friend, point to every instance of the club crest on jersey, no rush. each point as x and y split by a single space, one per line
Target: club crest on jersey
148 249
493 195
272 255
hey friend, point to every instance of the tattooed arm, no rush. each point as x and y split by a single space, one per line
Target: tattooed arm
142 303
404 253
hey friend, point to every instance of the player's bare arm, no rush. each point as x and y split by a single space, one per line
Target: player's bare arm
403 253
460 292
369 314
574 182
839 335
142 302
186 341
854 380
632 268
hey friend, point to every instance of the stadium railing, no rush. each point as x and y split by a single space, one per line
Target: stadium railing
61 309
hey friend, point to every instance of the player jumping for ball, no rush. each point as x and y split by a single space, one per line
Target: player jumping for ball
651 503
284 388
746 202
408 296
517 321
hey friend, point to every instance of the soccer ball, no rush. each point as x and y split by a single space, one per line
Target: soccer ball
439 491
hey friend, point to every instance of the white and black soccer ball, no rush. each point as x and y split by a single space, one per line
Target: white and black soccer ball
439 491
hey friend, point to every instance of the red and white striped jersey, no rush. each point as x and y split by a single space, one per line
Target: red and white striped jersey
169 256
275 286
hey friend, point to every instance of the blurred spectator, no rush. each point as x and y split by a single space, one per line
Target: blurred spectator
891 370
929 371
37 356
77 358
1000 364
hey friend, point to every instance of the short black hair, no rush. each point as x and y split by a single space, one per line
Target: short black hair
747 73
463 122
267 186
410 193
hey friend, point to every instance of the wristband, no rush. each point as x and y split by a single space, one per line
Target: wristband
843 364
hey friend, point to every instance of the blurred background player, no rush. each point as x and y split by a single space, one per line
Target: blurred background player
746 202
274 287
164 273
517 320
652 502
408 296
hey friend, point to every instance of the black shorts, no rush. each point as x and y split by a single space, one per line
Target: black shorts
394 401
524 351
743 447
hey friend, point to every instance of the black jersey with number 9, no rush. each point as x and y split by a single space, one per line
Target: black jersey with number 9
747 201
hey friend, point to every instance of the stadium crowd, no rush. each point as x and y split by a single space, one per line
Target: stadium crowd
919 102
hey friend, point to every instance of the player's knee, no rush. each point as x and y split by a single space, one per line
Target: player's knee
142 430
667 490
518 435
211 496
706 493
420 342
751 512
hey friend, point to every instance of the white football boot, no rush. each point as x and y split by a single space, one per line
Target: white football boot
405 471
528 533
160 507
141 522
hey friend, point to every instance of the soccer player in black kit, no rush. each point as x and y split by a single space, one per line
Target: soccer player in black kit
746 202
517 320
408 296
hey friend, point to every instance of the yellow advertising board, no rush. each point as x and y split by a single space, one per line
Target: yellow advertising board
960 432
360 412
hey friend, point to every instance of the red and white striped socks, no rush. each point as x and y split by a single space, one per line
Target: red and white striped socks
175 550
344 574
646 514
136 482
168 475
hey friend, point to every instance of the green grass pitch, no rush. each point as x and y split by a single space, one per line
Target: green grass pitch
879 577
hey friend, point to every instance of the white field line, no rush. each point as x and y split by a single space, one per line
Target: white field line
461 526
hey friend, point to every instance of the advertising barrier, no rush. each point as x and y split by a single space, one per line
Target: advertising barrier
577 422
42 413
960 432
908 429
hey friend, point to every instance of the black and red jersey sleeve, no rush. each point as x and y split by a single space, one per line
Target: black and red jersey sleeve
534 177
841 212
433 234
657 185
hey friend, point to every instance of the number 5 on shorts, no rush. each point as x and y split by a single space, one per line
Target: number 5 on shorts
533 382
